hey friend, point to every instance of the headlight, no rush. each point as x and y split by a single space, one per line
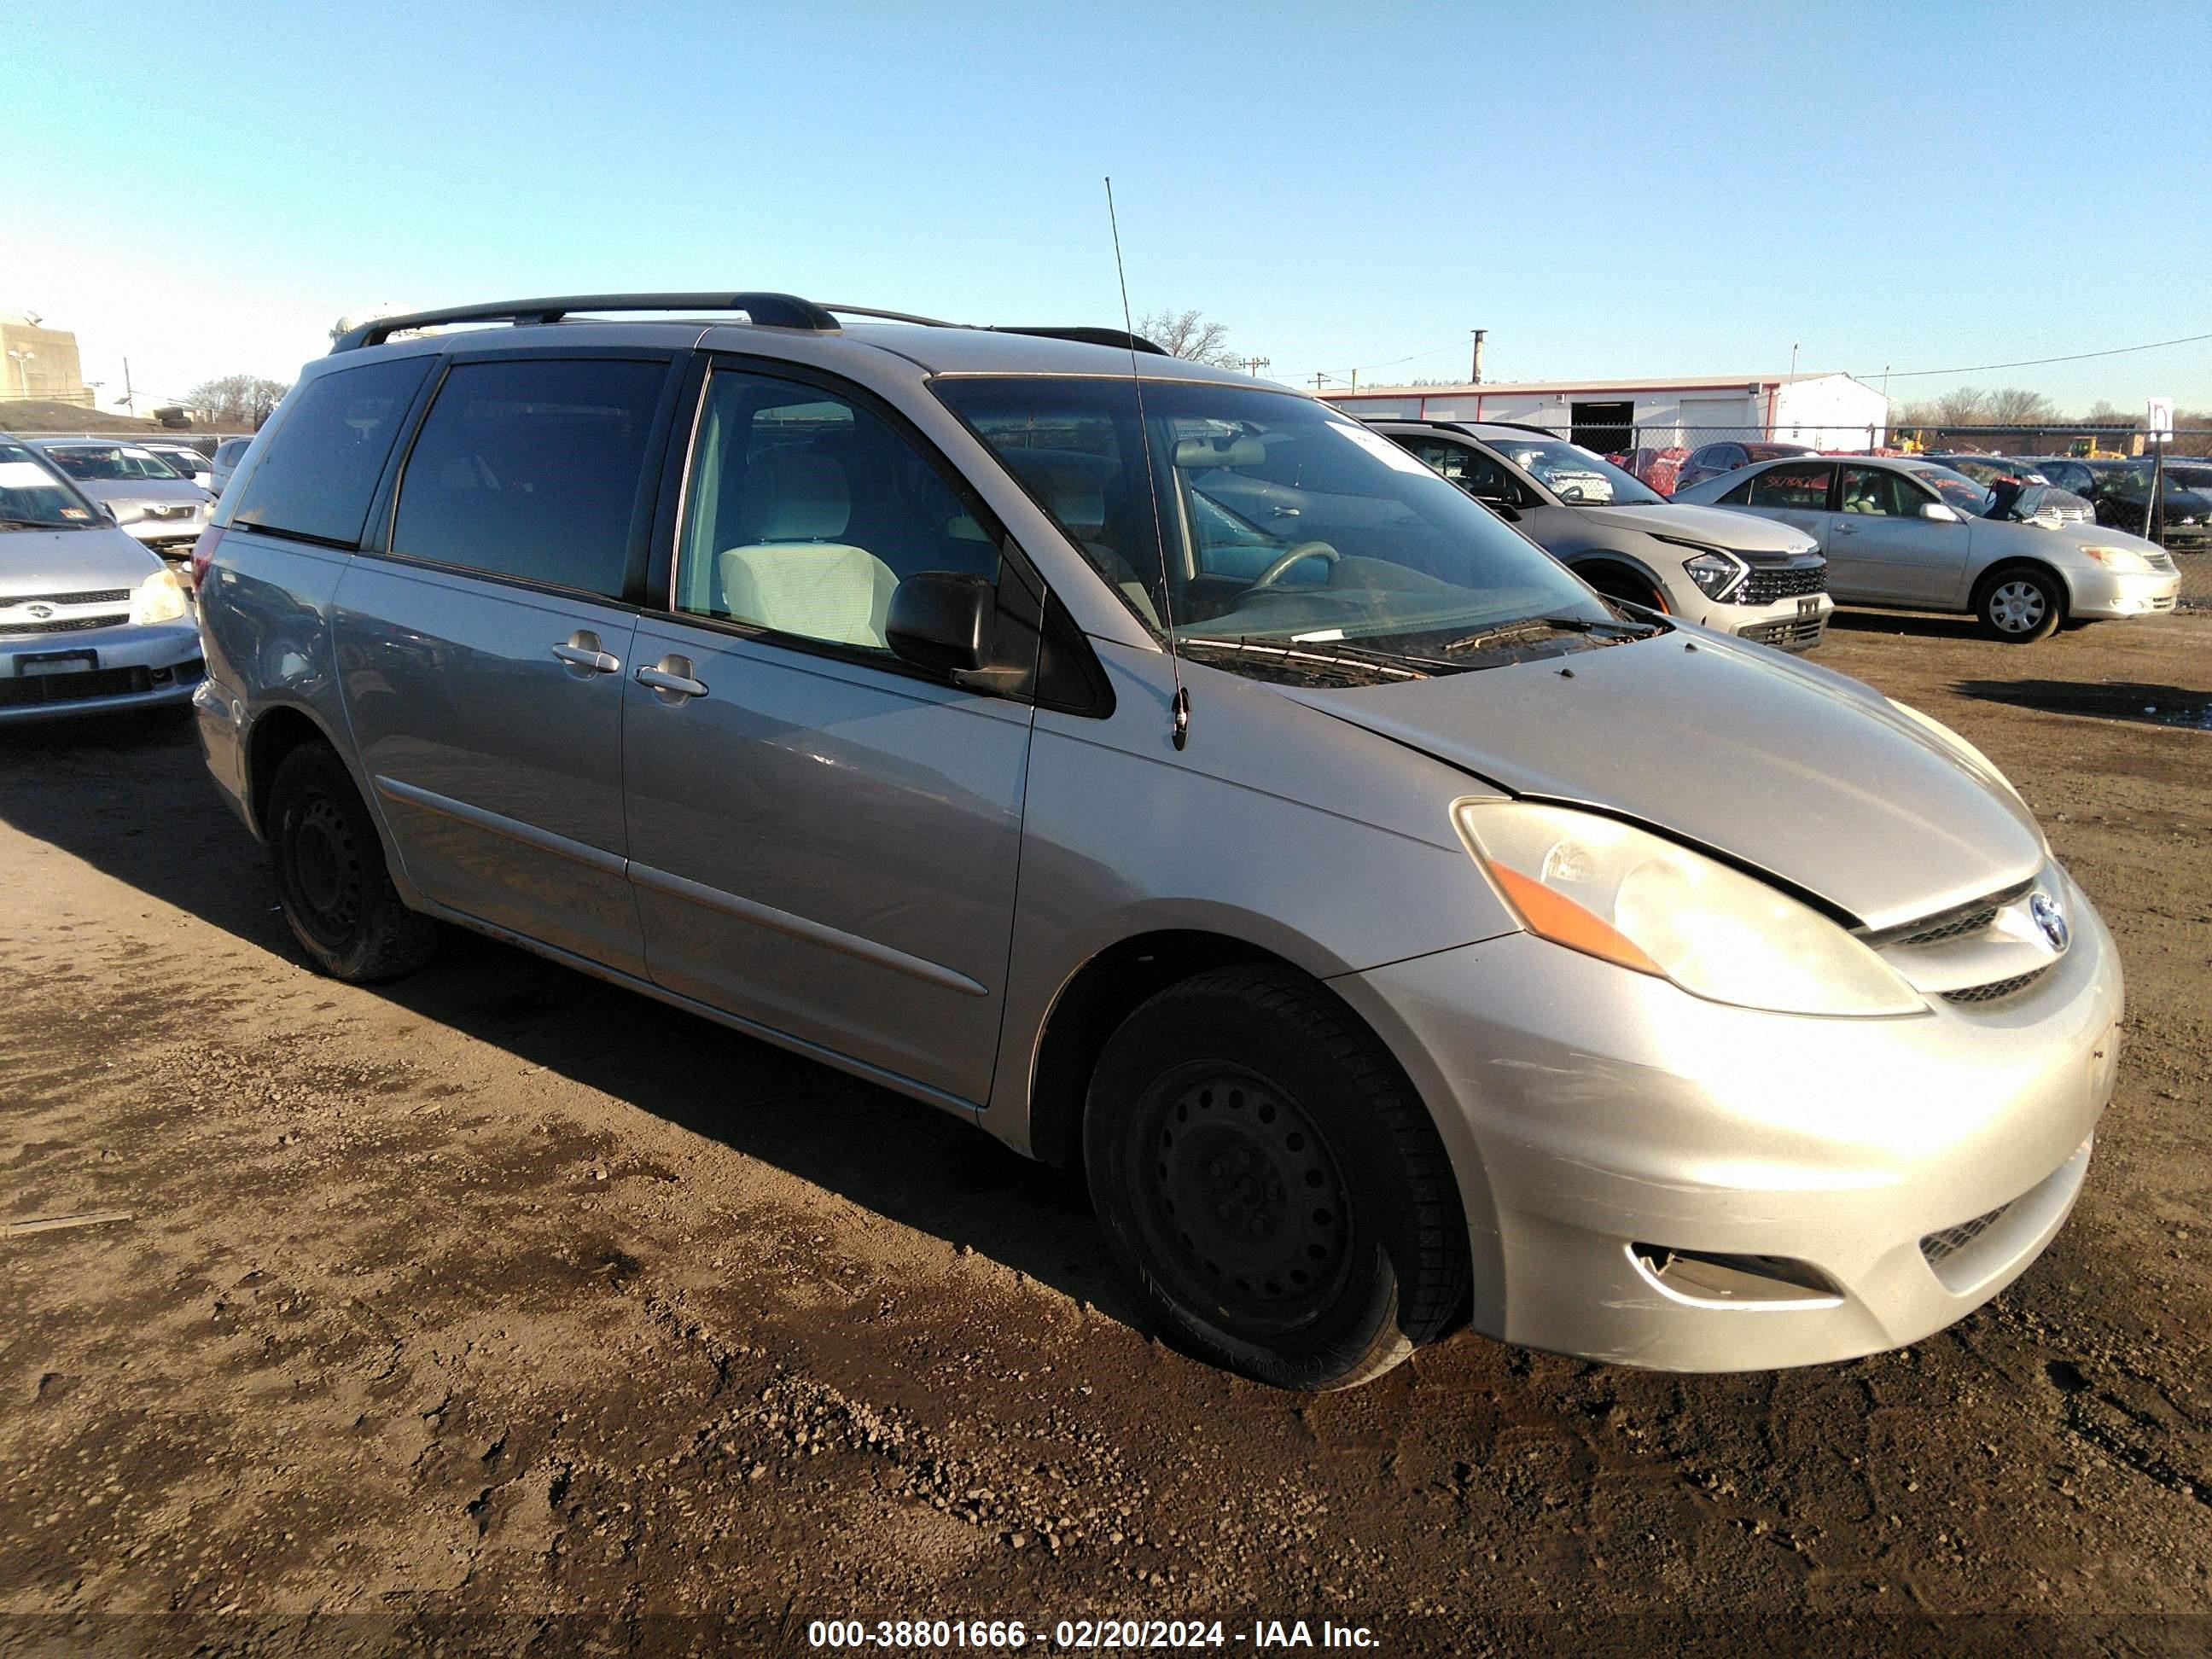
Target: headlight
159 598
2120 558
1626 896
1716 573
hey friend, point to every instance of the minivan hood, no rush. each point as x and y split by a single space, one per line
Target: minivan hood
1785 767
1739 533
142 490
44 561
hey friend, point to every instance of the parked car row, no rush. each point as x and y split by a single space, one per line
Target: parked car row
1179 779
154 502
91 619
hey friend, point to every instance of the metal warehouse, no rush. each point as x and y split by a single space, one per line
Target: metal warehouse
1610 415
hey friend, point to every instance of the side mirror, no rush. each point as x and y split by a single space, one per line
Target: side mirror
1939 512
107 513
941 620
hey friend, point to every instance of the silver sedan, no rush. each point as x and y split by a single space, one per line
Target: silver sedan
1912 535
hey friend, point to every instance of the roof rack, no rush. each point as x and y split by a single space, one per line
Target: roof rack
766 310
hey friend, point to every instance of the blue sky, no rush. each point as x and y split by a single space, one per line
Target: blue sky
1609 189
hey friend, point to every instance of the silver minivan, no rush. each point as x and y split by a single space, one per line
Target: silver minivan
1174 777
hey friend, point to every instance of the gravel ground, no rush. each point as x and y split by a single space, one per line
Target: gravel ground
500 1293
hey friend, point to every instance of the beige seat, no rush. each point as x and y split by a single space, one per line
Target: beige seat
791 575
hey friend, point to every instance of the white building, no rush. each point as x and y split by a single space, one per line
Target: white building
1828 412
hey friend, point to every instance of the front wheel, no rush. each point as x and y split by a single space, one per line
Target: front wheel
2020 605
1267 1175
336 894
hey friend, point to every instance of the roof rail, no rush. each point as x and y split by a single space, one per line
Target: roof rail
766 310
1120 339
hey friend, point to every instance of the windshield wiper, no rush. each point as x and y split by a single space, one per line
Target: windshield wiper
1530 627
31 524
1388 664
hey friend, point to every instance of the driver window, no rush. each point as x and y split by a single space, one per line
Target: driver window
1878 491
1473 471
804 511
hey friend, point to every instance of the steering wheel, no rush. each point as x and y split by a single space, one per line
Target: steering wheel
1275 572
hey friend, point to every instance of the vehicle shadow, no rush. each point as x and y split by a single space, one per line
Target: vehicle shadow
2108 700
135 802
1906 621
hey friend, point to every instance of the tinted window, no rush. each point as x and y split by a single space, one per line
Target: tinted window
107 463
1803 488
532 468
320 468
805 510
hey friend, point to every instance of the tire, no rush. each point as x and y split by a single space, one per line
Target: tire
1264 1173
336 894
2019 603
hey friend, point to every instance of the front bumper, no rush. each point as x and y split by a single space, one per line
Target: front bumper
2107 593
1795 624
1591 1111
141 667
171 538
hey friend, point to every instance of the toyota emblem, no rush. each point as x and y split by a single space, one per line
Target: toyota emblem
41 611
2049 918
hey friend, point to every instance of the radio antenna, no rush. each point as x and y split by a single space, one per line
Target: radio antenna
1181 730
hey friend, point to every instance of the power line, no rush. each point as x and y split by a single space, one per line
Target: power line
2038 363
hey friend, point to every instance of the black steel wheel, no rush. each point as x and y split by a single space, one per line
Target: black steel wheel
336 894
1267 1175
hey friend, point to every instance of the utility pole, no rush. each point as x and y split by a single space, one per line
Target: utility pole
129 398
1319 381
1474 372
1793 360
1256 364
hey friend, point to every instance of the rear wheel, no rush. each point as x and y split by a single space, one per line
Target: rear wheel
1265 1172
2019 605
336 894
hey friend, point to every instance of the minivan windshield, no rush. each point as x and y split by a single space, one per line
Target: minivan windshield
1573 474
1282 519
32 498
104 463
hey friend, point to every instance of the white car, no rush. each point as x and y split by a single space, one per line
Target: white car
156 505
1911 535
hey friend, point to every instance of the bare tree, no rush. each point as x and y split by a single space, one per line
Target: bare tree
1188 335
1964 407
237 399
2016 406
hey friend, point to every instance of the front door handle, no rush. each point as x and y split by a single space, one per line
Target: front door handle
1847 530
582 651
670 679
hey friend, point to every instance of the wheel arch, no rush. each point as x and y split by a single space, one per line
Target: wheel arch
1595 562
275 733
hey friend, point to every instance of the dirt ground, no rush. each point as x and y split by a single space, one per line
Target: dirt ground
500 1293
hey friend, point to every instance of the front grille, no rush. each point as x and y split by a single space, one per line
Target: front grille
21 693
63 625
1996 990
169 544
1766 584
1940 1247
1790 633
1957 922
105 596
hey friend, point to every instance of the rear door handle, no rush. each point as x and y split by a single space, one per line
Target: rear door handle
582 651
670 679
1847 530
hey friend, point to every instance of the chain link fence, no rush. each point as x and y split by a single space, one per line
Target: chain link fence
2112 469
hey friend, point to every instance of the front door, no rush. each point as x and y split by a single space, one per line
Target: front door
822 839
483 660
1880 549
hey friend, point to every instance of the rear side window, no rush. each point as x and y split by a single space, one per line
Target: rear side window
532 468
321 466
1804 488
